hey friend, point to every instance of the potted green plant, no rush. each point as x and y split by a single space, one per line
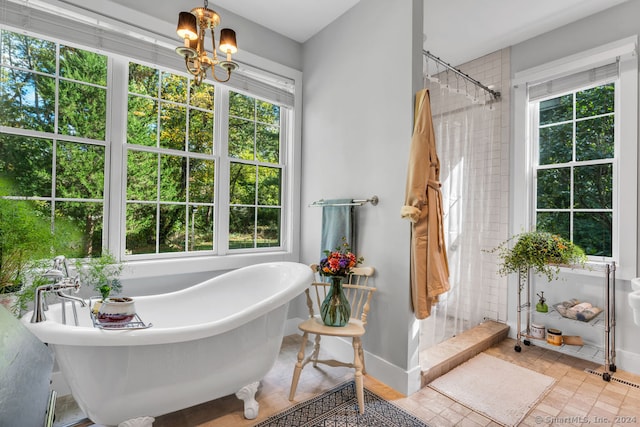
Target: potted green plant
539 251
102 274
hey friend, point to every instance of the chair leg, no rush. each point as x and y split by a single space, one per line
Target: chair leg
358 375
316 351
298 369
364 369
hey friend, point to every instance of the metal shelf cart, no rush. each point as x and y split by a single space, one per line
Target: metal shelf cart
606 353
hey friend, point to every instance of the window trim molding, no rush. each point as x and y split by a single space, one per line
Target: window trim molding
625 251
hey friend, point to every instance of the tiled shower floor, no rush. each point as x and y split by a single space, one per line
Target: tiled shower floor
575 394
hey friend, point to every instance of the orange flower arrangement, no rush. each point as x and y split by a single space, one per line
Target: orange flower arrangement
340 261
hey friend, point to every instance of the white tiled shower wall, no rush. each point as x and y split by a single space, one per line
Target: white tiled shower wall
491 140
494 69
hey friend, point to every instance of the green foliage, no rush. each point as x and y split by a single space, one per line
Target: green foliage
574 198
25 236
540 251
30 78
28 291
27 244
170 195
254 136
102 274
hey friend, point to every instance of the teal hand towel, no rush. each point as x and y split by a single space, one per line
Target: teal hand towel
338 222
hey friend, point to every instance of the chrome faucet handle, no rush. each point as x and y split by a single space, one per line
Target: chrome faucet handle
76 285
67 283
53 274
59 263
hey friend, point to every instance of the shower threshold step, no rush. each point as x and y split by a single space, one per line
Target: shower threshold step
443 357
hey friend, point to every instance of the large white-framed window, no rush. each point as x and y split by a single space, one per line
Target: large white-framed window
575 151
158 126
197 156
575 164
55 133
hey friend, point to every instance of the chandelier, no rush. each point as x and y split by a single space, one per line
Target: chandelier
192 27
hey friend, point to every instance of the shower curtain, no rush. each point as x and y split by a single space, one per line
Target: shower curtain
464 132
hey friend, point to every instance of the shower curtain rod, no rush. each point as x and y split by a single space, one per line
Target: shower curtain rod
355 202
494 93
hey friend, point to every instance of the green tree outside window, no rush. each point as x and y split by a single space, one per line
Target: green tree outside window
255 185
63 177
574 176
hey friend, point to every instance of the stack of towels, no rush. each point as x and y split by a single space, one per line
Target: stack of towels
574 309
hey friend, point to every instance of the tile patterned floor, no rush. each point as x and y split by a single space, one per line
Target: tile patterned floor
578 398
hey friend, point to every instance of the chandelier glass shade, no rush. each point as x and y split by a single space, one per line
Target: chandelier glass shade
192 28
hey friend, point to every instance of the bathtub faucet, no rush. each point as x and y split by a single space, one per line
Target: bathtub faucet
61 282
69 283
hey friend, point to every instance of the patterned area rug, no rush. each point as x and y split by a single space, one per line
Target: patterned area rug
502 391
339 407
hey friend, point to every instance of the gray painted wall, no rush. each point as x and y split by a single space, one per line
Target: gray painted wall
360 79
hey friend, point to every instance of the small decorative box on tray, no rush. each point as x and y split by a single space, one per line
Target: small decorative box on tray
575 309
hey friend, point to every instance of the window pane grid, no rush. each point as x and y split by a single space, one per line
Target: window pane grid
171 170
255 203
54 149
170 160
575 120
574 183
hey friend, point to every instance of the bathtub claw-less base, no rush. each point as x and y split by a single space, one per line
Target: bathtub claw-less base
248 395
208 341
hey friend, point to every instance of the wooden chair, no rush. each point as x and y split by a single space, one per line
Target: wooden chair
359 296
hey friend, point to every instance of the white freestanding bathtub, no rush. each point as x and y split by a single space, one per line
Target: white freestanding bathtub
210 340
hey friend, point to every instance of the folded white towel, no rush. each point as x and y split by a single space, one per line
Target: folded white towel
581 307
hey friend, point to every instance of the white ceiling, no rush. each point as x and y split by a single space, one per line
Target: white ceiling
455 30
297 19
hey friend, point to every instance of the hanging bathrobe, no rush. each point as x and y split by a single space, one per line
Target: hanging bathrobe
423 207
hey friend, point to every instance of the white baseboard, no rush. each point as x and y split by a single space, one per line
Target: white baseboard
628 361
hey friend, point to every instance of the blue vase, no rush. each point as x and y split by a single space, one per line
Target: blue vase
335 309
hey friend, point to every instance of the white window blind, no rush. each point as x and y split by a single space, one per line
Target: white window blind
573 81
119 38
